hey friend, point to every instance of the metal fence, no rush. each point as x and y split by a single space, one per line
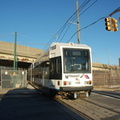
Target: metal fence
103 78
13 78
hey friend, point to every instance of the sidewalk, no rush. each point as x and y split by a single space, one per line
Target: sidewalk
29 104
107 88
4 91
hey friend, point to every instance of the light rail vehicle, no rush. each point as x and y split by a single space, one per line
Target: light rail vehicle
64 69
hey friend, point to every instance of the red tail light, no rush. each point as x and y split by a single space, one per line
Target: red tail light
65 83
89 82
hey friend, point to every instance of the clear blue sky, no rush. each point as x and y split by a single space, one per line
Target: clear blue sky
36 21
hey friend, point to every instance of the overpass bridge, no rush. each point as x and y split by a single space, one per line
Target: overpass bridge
102 74
25 55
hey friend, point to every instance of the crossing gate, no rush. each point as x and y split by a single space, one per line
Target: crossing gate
13 78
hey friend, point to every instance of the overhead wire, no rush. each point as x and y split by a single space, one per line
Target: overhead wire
81 14
6 35
65 33
60 31
86 27
80 9
88 7
63 28
74 17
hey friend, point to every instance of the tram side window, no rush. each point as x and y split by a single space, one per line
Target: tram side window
58 65
52 66
55 68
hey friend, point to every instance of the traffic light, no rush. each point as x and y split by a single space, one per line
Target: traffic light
108 24
114 24
111 24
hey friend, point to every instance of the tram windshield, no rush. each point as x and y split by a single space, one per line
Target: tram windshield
76 60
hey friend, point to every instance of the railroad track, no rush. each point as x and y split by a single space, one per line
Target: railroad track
72 107
90 110
109 94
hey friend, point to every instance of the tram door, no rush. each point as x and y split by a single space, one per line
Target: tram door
45 73
43 76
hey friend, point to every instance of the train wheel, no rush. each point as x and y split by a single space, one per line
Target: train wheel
74 95
88 93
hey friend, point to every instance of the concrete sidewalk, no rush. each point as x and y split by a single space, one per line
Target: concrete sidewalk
4 91
107 88
30 104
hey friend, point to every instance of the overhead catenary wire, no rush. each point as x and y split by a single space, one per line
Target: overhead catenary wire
80 9
73 17
117 10
88 7
31 40
86 27
7 35
64 27
78 30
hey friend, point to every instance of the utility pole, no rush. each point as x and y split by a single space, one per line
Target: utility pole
15 55
78 22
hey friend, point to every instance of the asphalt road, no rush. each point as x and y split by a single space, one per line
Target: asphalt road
29 104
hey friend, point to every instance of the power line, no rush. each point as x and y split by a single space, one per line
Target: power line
33 43
79 9
86 27
65 33
60 31
89 7
7 35
117 10
64 29
82 6
25 36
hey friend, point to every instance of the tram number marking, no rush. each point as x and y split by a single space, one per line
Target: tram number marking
77 82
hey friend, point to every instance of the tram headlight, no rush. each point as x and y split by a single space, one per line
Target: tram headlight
67 82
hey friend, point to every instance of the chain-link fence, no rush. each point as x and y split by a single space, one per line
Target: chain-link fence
103 78
13 78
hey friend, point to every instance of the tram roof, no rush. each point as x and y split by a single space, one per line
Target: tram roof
69 44
44 56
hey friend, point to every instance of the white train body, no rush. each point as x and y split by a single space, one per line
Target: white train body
65 68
